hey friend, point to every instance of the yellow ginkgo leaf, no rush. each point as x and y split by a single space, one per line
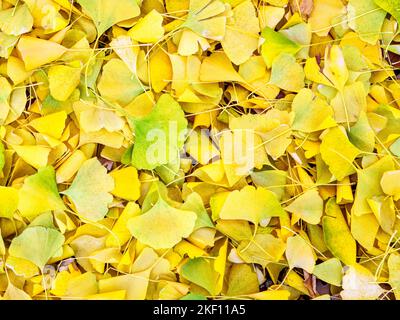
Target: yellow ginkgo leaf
135 285
37 52
118 84
324 11
36 156
218 68
337 235
369 185
241 36
263 249
127 50
309 206
207 18
63 80
160 70
261 205
360 284
90 190
299 254
127 184
106 13
390 183
39 194
394 269
120 233
311 113
149 29
162 226
52 125
338 153
16 21
9 201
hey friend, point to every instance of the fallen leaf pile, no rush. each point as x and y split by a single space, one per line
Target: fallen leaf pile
194 149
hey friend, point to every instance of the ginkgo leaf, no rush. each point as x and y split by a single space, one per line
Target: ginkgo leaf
361 134
39 194
52 125
390 183
36 156
201 272
16 21
329 271
262 204
9 201
127 184
37 244
322 15
241 36
360 284
106 13
276 44
63 80
90 190
311 113
309 206
369 185
300 254
384 210
195 204
149 29
350 103
263 249
207 18
366 18
159 135
338 153
218 68
37 52
242 280
337 235
286 73
391 6
162 226
118 84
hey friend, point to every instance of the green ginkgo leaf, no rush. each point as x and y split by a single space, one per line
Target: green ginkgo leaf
275 44
91 190
391 6
37 244
162 226
159 135
287 74
201 272
16 21
195 203
329 271
39 194
106 13
366 18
